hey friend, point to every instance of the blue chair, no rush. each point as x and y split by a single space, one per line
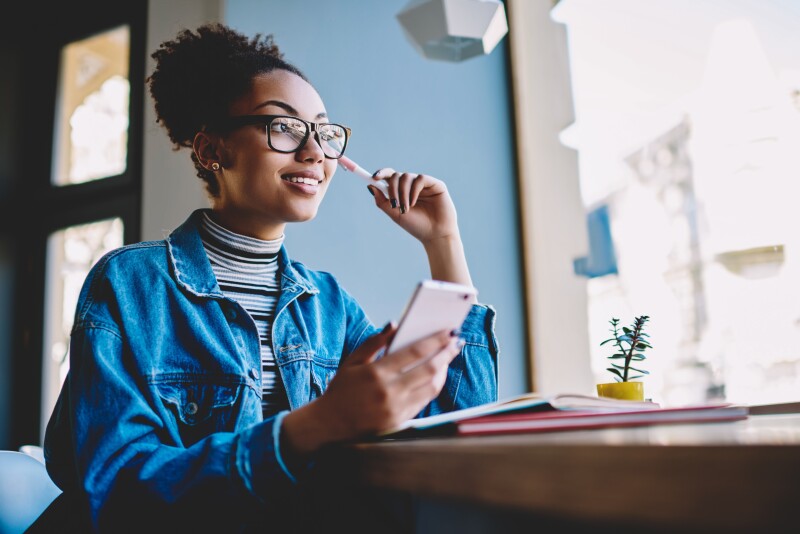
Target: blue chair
34 451
25 491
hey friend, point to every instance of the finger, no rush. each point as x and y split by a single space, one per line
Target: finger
405 181
380 176
390 177
368 350
397 361
416 188
383 173
429 390
425 388
419 373
380 200
394 193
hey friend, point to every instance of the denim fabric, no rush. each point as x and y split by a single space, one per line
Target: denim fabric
161 411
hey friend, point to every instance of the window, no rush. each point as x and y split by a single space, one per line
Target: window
687 123
76 188
71 253
92 110
90 143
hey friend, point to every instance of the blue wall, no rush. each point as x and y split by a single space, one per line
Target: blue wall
449 120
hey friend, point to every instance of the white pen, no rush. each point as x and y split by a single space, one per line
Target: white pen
352 166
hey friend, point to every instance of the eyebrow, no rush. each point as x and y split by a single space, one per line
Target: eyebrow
287 108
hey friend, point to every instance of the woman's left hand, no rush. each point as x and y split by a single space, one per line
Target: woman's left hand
419 203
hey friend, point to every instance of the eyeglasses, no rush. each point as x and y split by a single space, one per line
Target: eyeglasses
289 134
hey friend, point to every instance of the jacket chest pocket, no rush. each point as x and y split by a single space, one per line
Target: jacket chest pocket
200 408
321 375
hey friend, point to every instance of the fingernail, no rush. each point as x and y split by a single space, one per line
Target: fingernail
386 327
374 174
454 333
394 203
371 192
402 208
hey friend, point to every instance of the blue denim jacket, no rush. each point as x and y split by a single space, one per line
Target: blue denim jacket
161 408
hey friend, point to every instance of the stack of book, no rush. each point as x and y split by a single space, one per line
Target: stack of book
535 413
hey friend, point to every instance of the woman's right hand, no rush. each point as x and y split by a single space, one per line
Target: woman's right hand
367 395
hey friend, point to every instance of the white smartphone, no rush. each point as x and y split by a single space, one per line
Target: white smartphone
434 306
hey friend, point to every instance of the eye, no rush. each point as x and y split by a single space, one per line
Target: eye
279 126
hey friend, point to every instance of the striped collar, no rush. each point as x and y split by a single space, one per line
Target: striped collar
192 270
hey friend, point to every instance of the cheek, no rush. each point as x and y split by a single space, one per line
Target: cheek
262 167
330 167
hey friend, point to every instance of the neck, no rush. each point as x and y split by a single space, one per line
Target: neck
243 224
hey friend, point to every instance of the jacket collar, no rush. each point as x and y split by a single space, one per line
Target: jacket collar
191 269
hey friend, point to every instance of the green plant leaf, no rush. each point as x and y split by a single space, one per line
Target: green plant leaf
614 371
616 357
626 330
640 371
637 357
635 377
620 367
607 341
641 345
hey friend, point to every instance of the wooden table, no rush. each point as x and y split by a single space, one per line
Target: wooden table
741 476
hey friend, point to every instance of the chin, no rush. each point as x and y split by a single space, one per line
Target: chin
301 217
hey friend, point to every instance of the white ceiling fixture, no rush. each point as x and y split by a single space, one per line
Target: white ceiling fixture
453 30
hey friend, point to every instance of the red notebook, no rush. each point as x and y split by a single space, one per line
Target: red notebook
550 421
526 403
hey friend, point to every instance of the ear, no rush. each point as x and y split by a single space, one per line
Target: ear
207 149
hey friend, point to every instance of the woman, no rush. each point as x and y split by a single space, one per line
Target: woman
208 370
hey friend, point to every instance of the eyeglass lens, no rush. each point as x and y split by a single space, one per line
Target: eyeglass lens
286 134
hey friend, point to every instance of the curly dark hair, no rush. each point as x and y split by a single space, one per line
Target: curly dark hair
199 74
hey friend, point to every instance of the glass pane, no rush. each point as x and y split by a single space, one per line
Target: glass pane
71 252
91 138
687 128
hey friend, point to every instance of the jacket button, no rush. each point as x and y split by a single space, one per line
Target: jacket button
191 408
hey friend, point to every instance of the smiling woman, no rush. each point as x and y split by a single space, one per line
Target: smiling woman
208 370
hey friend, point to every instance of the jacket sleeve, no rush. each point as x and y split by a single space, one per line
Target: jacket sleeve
472 375
107 443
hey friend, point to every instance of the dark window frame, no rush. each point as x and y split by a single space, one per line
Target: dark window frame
36 208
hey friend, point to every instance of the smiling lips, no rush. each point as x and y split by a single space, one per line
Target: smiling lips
307 177
306 181
301 180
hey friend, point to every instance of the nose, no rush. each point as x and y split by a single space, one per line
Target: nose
311 152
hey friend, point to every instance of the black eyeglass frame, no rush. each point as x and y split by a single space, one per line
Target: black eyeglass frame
237 121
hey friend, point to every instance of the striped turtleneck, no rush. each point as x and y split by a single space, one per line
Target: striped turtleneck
247 272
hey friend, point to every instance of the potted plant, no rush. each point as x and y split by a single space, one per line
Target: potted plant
629 346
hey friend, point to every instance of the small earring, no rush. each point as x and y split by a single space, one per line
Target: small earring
215 166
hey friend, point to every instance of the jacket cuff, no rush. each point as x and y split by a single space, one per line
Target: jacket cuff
479 327
259 460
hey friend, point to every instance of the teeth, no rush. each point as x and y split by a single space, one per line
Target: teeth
298 179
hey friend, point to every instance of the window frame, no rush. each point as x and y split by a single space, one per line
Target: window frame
36 207
552 225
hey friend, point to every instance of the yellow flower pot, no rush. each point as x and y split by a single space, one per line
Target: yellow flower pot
622 390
